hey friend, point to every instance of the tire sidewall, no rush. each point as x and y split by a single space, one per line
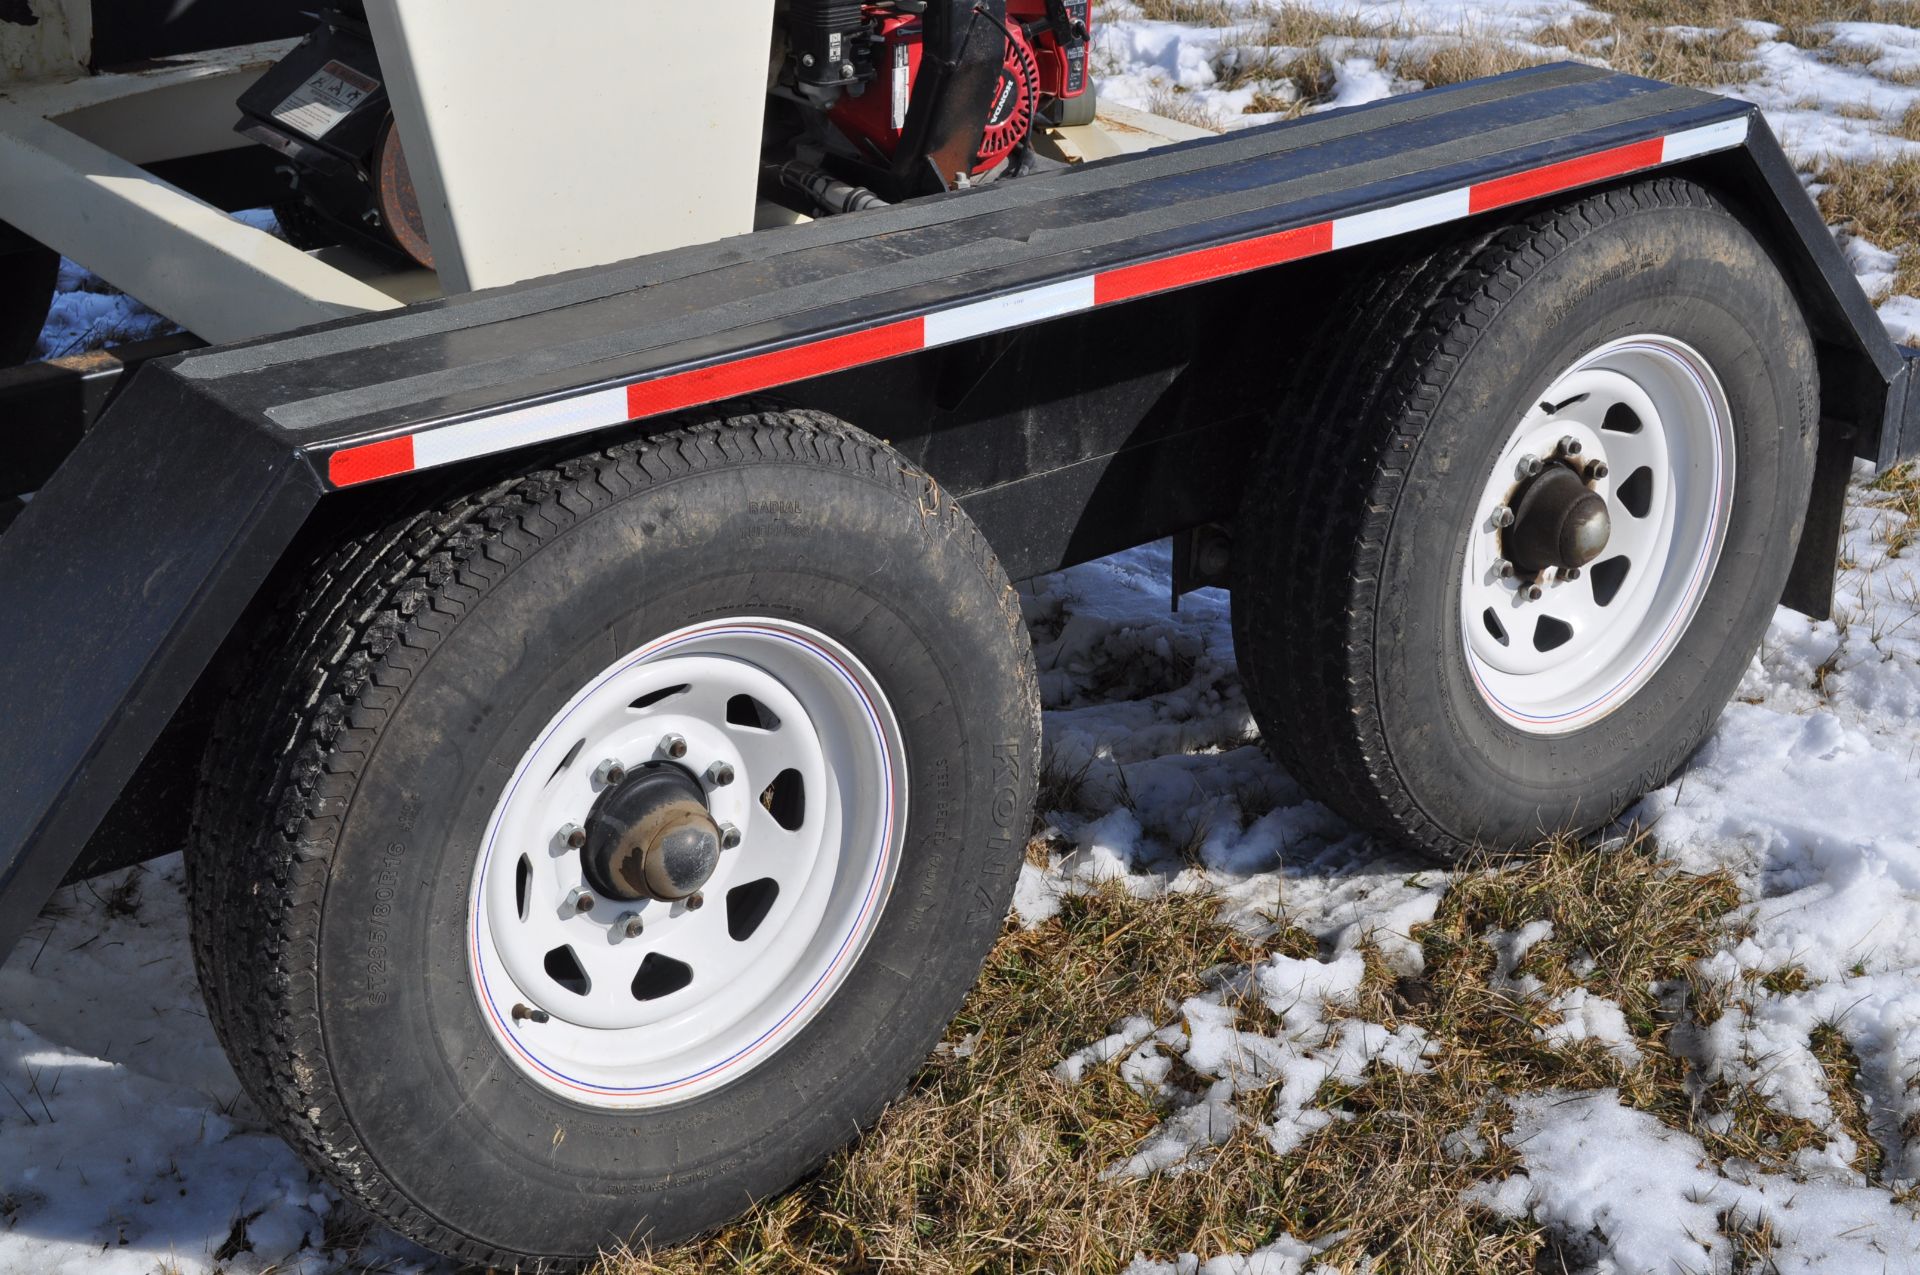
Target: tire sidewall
441 1109
1689 272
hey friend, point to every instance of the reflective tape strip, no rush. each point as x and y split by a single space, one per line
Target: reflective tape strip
598 409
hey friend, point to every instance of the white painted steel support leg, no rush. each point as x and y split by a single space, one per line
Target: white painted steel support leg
220 279
539 145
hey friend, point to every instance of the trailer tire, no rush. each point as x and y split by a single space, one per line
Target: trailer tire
27 281
1369 550
367 764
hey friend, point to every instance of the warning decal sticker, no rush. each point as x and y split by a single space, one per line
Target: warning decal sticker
328 96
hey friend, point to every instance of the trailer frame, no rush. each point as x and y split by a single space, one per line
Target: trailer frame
1109 287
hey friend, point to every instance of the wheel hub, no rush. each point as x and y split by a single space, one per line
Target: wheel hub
651 836
1558 521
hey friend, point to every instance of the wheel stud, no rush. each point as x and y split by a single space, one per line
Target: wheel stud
1569 573
719 774
674 746
609 772
1570 446
1533 593
696 901
1503 569
528 1014
580 900
729 837
574 835
1530 467
631 925
1501 518
1596 470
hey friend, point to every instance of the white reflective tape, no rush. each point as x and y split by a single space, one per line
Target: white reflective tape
1704 141
1417 214
1010 311
523 425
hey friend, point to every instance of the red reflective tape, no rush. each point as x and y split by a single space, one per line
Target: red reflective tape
764 371
1211 263
365 463
1566 175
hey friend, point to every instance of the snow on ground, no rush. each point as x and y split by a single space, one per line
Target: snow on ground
127 1147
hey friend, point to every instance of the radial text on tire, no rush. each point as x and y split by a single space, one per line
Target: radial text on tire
586 856
1523 524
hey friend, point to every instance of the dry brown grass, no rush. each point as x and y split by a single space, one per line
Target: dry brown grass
1898 490
989 1164
1880 200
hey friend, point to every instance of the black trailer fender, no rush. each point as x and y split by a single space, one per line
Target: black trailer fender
141 553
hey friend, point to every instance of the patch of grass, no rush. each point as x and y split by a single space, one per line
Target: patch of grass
989 1164
1879 200
1898 490
1842 1068
1201 13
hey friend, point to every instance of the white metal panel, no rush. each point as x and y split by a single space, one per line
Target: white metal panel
215 276
183 106
544 139
56 44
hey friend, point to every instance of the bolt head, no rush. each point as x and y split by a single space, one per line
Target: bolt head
1530 466
1501 518
719 774
573 834
696 901
580 900
729 837
610 771
674 746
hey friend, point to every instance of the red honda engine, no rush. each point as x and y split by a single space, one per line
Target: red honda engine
1046 52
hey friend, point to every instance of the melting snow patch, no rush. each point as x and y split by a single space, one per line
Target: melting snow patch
1627 1193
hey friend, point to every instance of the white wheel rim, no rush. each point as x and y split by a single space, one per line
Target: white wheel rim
611 1037
1651 410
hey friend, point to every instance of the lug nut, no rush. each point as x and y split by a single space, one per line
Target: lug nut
674 746
573 834
1533 593
729 837
1570 446
528 1014
1530 467
1570 573
580 900
719 774
1502 517
1503 568
696 901
610 771
631 925
1598 469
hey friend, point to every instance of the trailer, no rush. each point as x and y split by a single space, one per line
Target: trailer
571 621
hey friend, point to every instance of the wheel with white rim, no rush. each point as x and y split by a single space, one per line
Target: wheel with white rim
641 823
1526 517
1604 518
631 989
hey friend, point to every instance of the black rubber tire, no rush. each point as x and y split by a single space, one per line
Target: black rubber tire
27 280
363 747
1351 535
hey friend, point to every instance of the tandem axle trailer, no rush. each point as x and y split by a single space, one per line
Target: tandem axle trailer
519 623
